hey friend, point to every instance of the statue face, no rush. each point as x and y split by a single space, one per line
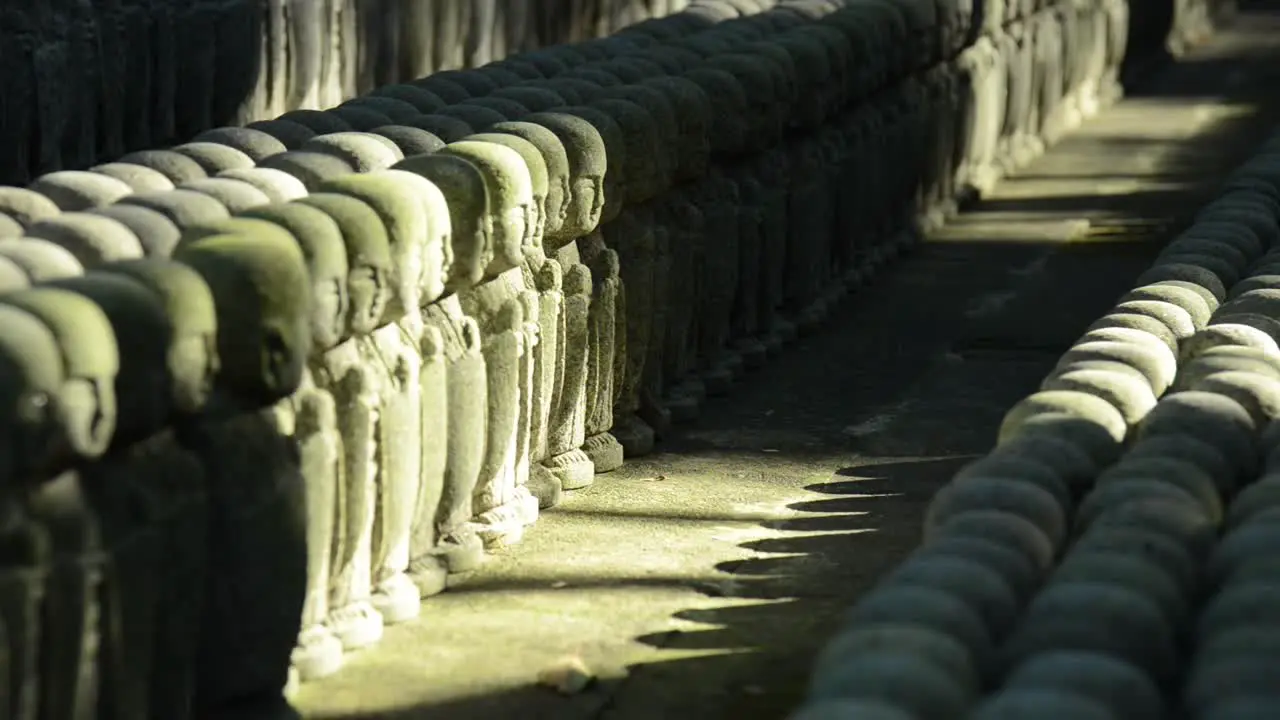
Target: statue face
436 261
329 310
369 292
588 201
511 228
193 365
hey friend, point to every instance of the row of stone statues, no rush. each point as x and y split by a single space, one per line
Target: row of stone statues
275 385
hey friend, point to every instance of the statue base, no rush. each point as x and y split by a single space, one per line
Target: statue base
573 469
605 452
545 486
634 434
397 599
356 626
317 655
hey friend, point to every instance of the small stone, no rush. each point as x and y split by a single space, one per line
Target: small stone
568 676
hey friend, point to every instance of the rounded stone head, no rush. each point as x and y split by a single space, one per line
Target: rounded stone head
256 144
411 140
506 107
510 199
693 115
73 190
559 181
729 122
395 109
317 121
182 207
156 232
405 219
364 152
437 251
536 220
368 258
465 191
532 99
642 173
443 88
191 359
86 399
31 376
448 129
92 239
144 337
669 141
214 157
262 295
175 166
320 240
235 195
277 185
476 116
289 133
588 160
765 111
422 100
311 168
139 179
40 259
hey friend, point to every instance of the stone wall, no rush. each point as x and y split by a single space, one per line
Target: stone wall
276 386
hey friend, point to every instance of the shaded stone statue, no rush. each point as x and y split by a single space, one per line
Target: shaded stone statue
249 623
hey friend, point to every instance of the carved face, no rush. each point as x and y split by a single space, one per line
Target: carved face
193 365
329 307
369 292
589 197
436 262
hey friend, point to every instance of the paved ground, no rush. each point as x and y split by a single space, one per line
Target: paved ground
699 583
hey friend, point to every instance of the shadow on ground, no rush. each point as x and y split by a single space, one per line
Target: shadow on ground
700 582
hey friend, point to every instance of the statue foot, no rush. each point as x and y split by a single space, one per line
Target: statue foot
634 434
397 599
605 452
501 526
544 486
463 551
318 654
718 380
573 469
356 625
428 574
526 505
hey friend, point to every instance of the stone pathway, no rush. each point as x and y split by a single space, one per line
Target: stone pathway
700 582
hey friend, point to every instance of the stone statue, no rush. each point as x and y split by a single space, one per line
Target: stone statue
262 298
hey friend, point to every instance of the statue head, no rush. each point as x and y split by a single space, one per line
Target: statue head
92 239
289 133
318 122
182 207
556 160
422 100
396 109
156 232
309 166
587 157
642 173
615 177
509 109
144 337
320 239
277 185
368 258
139 179
175 166
536 219
510 198
235 195
476 116
670 143
729 109
693 113
31 377
73 190
405 219
40 259
437 250
262 296
256 144
364 152
86 400
443 87
214 157
410 140
464 189
532 99
447 128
